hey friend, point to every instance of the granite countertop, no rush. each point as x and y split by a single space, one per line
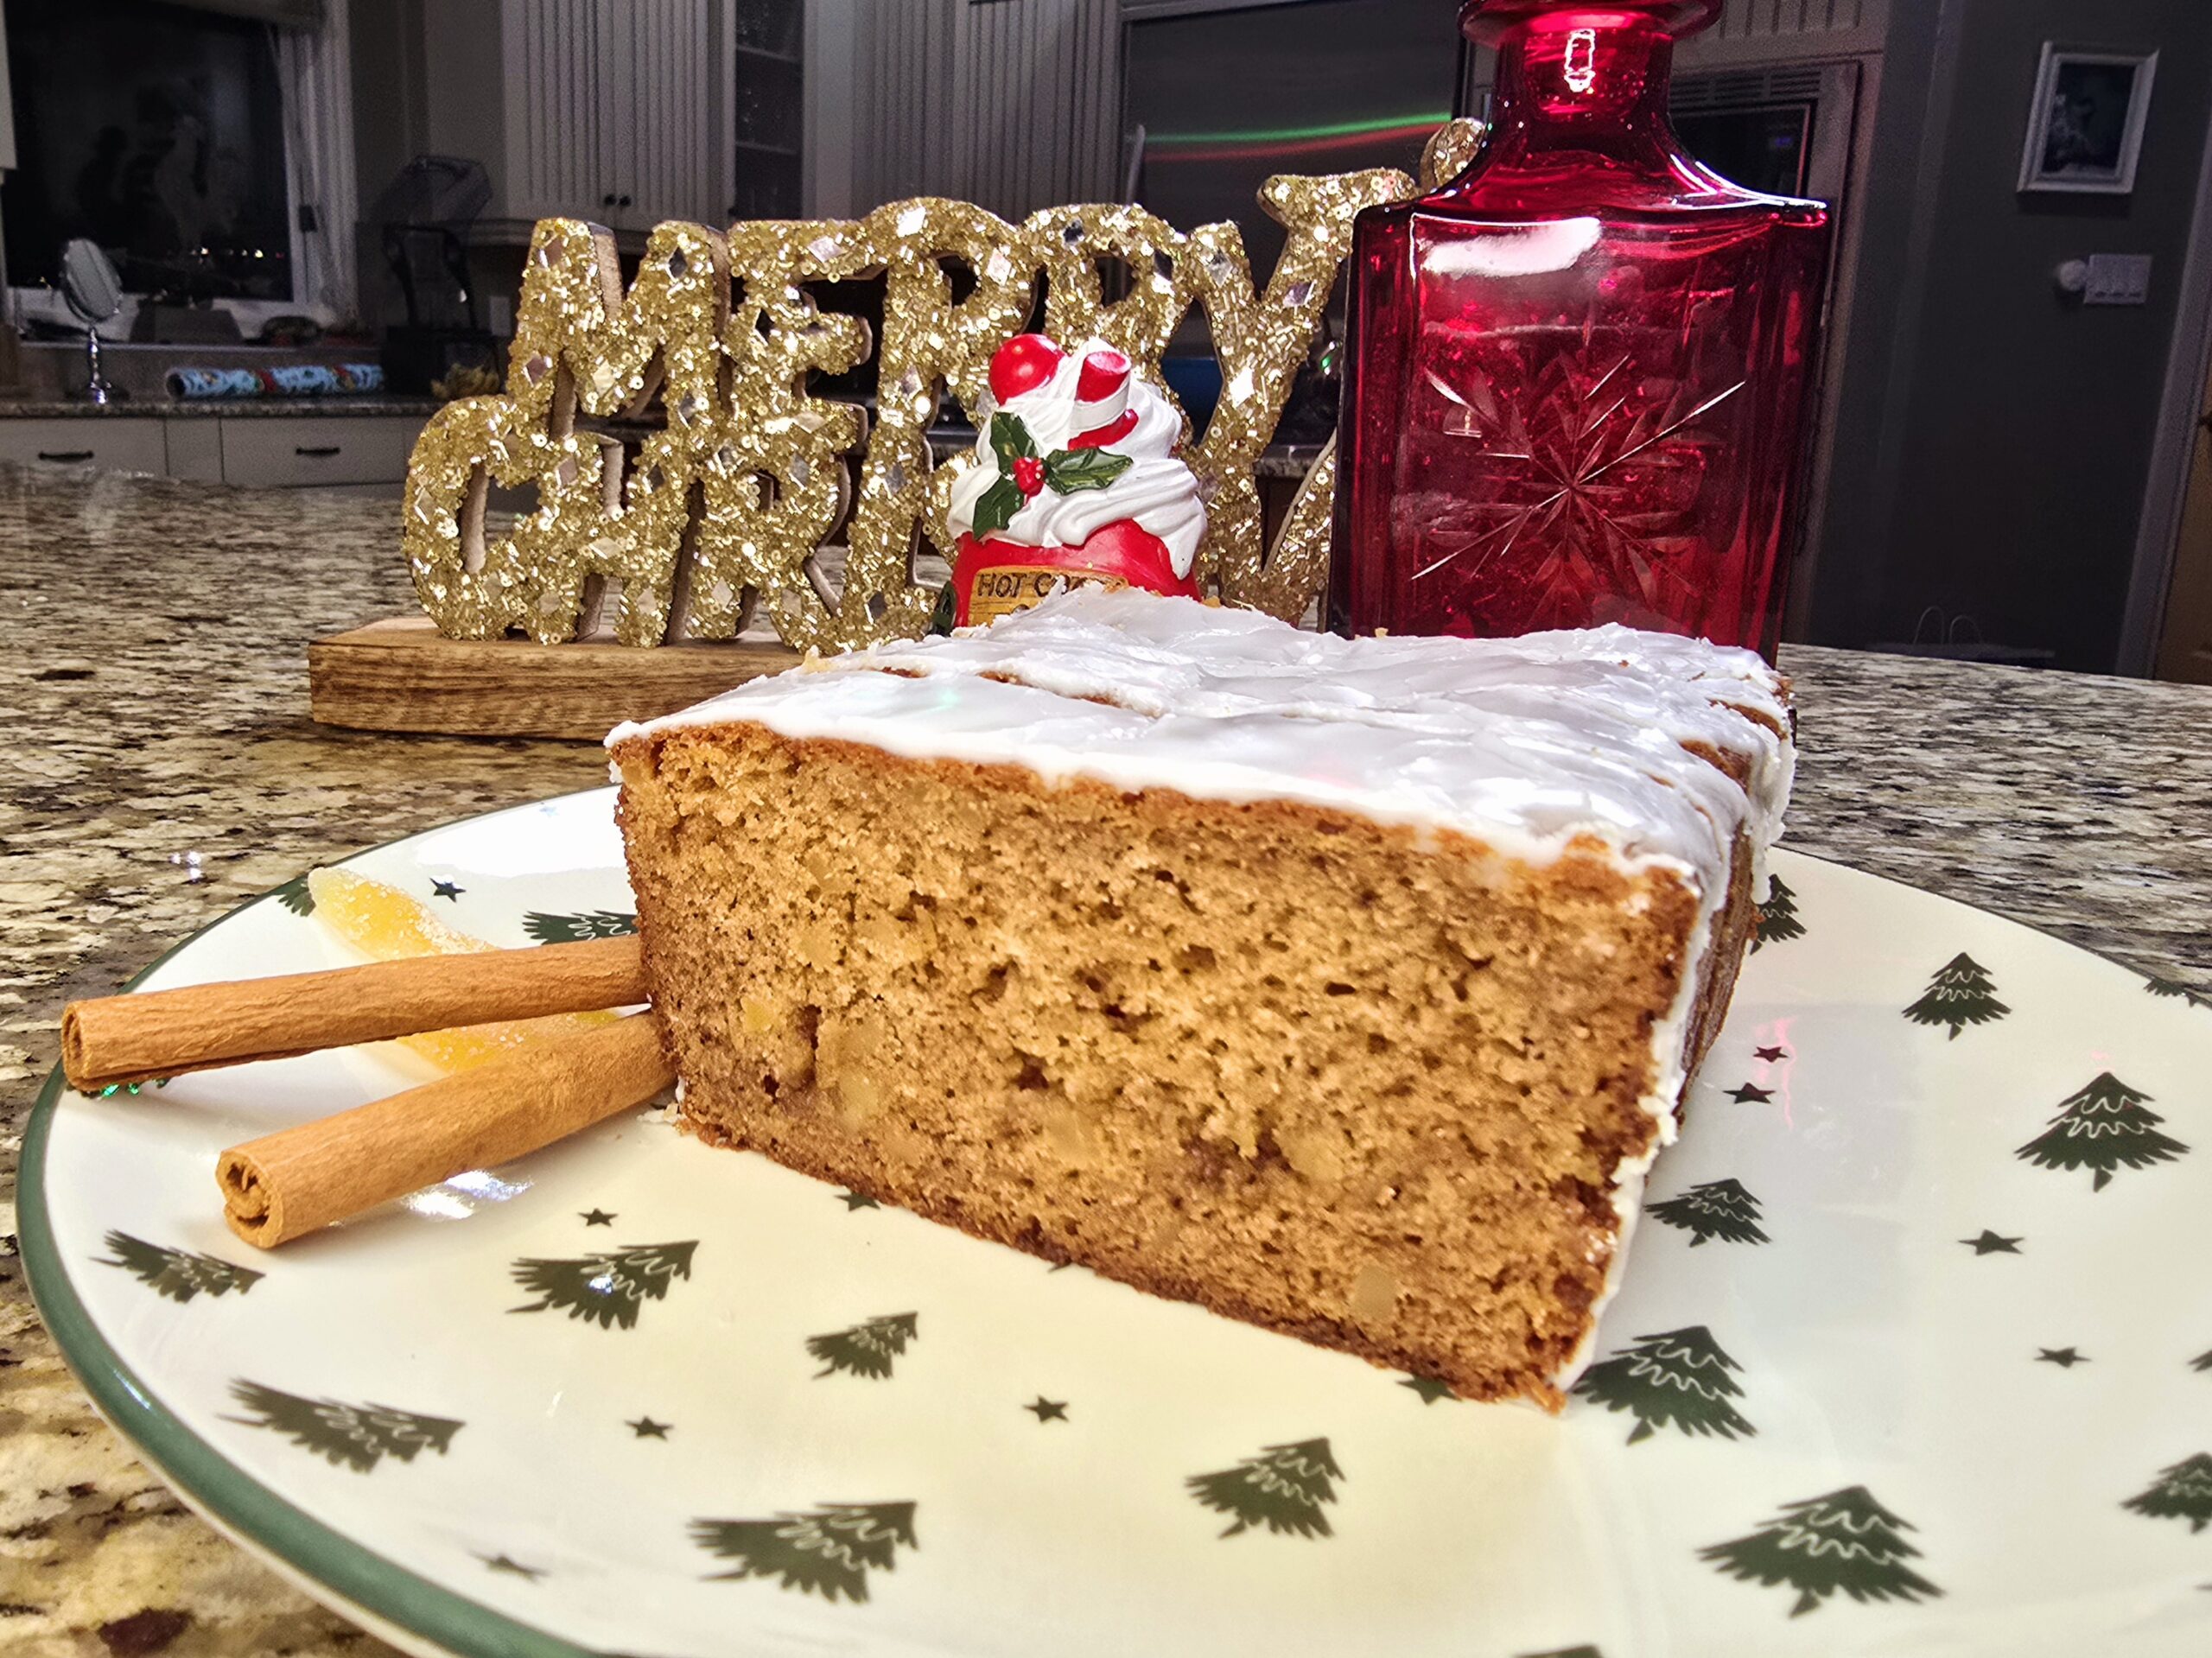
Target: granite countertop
162 770
377 402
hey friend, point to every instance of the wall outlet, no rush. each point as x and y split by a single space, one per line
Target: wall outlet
2118 279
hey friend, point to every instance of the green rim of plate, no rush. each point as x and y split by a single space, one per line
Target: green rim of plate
203 1473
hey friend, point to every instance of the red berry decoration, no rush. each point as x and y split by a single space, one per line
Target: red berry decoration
1023 364
1028 475
1104 372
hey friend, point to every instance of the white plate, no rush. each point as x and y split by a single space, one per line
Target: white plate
1965 1405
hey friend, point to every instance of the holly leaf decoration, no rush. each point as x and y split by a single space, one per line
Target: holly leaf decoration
947 609
1000 503
1010 440
1068 470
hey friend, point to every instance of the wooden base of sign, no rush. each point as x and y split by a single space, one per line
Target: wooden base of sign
403 675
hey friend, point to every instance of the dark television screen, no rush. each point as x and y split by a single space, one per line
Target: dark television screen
1764 149
158 131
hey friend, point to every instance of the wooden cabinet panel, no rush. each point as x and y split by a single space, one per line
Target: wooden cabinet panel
112 442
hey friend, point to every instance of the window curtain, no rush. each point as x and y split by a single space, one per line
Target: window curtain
313 68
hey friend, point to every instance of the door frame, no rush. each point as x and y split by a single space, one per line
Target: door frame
2173 449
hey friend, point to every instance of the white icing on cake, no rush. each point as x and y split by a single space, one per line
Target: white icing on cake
1158 492
1526 745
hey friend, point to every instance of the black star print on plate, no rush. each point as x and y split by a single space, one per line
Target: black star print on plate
596 1217
446 889
1048 1410
1750 1095
1990 1244
1770 1054
645 1428
1428 1388
513 1568
854 1200
2064 1357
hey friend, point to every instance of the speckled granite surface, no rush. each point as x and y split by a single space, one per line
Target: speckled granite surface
160 769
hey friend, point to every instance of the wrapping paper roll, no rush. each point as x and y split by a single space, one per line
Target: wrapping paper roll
285 380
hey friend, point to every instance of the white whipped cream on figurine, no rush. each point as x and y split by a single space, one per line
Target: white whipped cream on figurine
1074 477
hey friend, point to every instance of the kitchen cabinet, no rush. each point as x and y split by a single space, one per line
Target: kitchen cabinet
126 443
770 115
614 111
303 451
259 450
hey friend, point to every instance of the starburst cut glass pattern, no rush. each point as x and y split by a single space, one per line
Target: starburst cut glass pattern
1579 368
1584 463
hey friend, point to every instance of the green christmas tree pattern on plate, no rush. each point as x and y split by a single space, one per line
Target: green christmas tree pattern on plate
867 1349
1284 1488
545 927
828 1551
1844 1543
1718 1208
133 1088
2181 1492
347 1436
2176 987
609 1288
1844 1540
295 896
1775 921
180 1275
2103 1128
1680 1379
1959 994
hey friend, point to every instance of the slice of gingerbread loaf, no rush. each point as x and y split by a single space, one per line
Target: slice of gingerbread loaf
1345 987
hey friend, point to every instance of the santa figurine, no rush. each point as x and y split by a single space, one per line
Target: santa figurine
1075 479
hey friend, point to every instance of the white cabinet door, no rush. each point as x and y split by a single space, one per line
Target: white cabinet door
660 65
297 451
110 442
559 126
611 108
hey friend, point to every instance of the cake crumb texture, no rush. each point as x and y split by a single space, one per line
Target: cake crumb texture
1369 1084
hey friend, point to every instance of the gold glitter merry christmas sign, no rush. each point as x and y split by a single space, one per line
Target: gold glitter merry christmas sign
725 508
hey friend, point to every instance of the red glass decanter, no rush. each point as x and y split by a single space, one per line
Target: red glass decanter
1578 373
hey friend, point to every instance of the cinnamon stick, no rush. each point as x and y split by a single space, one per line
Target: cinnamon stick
299 1179
167 1032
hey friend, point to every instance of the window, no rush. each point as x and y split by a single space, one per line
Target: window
158 131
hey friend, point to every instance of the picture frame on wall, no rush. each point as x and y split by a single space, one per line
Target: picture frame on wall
2085 127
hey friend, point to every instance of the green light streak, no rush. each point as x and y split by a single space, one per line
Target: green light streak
1299 134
